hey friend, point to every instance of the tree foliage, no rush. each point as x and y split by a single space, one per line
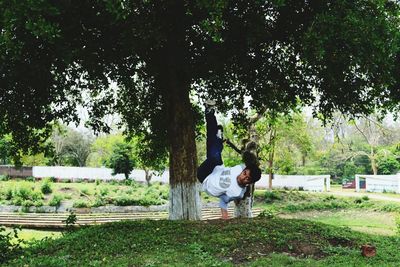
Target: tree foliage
121 160
274 51
101 149
56 55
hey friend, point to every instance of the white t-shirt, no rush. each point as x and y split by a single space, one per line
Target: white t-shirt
222 183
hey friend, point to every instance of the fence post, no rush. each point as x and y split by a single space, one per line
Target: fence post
328 183
357 183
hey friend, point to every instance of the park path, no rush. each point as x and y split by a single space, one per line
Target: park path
360 194
55 220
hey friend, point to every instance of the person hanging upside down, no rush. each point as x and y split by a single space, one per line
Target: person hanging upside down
227 183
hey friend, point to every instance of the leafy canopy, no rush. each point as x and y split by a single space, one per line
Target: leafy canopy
55 55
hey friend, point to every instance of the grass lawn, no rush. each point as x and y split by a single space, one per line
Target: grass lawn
298 229
30 235
365 221
247 242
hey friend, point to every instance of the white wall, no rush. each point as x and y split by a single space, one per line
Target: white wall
91 173
379 183
307 182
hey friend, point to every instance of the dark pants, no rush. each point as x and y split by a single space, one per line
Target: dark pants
214 148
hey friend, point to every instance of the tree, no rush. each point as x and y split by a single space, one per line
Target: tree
275 52
5 150
147 159
101 149
121 159
373 133
70 147
77 147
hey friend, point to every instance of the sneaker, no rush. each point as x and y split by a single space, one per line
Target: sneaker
209 103
210 106
220 132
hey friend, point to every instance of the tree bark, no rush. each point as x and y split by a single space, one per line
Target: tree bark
184 198
271 156
270 174
148 176
175 83
373 162
243 208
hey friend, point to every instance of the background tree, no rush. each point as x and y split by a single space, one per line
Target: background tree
58 142
147 159
101 149
70 147
5 150
373 133
51 53
121 160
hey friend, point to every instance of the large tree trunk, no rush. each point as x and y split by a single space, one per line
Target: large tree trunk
184 197
184 194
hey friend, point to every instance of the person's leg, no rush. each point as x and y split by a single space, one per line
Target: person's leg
214 147
205 169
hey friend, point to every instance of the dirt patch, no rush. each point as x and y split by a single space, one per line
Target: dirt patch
342 242
303 249
252 251
257 250
67 190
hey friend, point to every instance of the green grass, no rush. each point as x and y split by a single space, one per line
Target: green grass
295 201
248 242
372 222
30 235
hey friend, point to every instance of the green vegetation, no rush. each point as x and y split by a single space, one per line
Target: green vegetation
121 159
254 242
365 221
82 194
46 186
291 201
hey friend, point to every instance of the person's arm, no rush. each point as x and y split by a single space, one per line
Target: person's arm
231 145
223 203
224 214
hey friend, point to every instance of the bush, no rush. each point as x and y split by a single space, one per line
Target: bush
56 201
9 194
103 191
30 179
46 186
23 191
4 177
391 207
81 204
99 201
8 248
271 196
128 181
38 203
125 200
267 213
164 193
27 203
84 191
